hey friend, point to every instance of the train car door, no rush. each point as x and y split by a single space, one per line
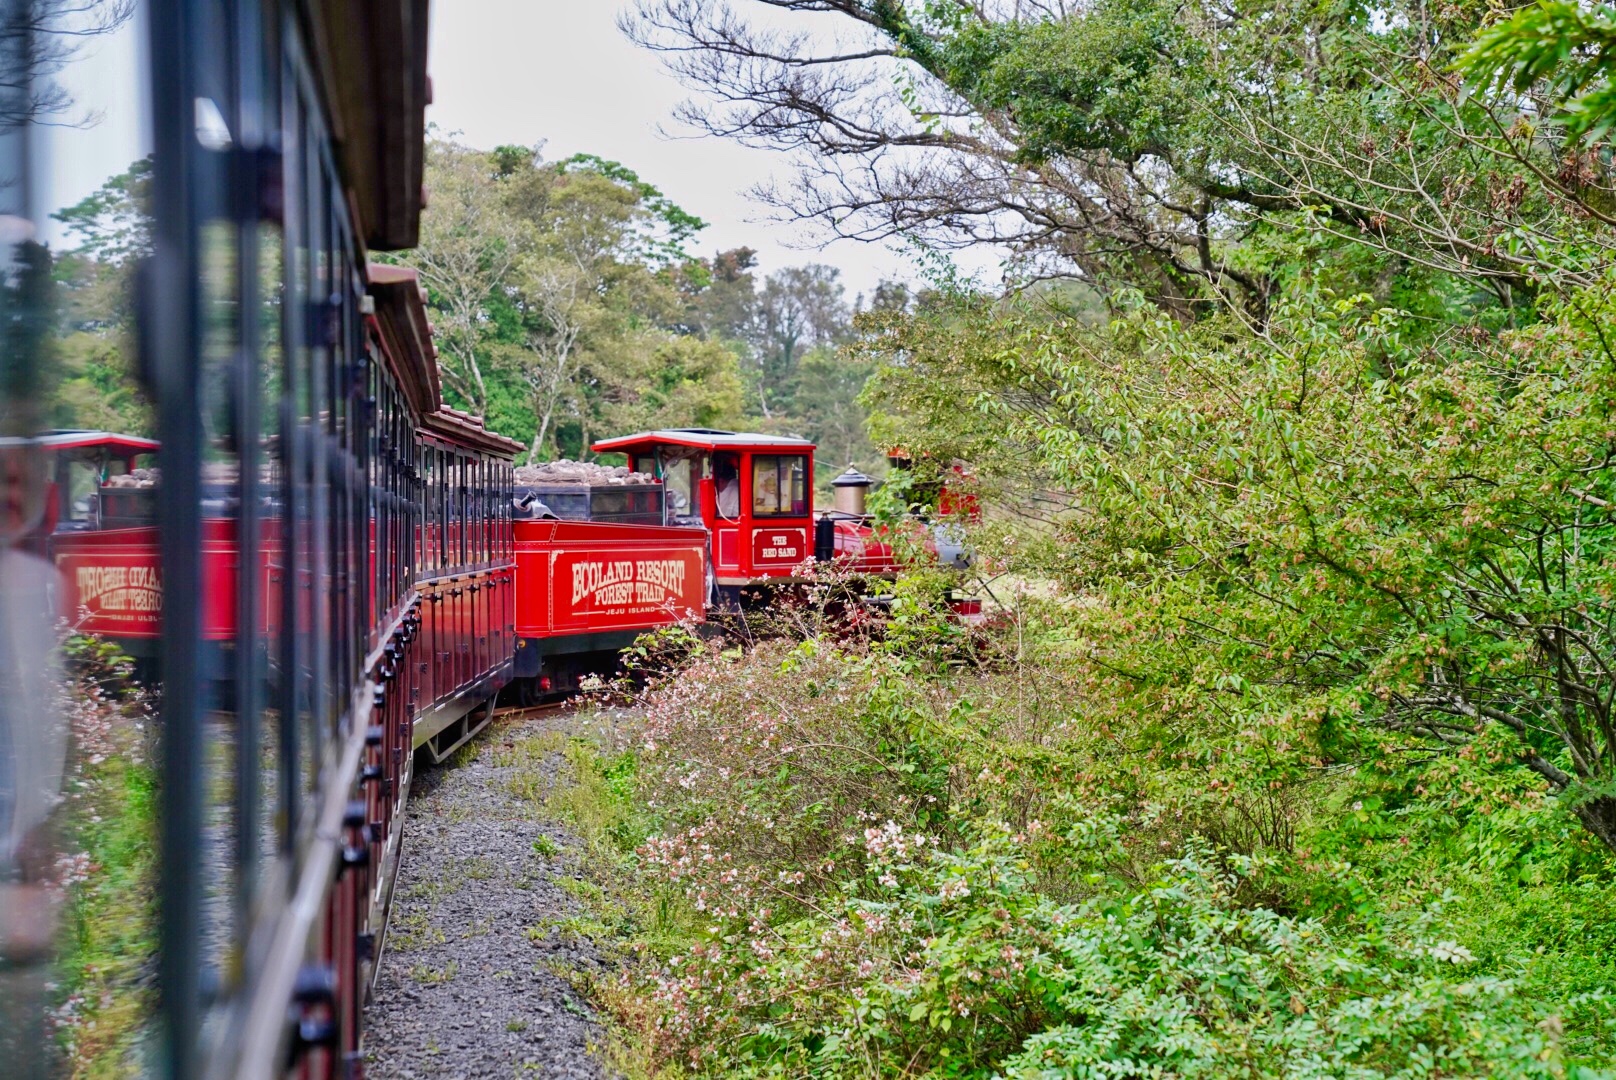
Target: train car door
727 520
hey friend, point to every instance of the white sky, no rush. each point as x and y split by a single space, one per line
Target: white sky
516 71
521 71
104 79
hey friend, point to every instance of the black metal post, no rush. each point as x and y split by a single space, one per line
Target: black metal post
170 307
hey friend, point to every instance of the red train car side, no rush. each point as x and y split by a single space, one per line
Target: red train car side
586 589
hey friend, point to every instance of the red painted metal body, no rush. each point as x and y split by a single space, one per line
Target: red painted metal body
585 577
752 493
860 549
111 583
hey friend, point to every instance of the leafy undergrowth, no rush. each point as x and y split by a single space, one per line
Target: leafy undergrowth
107 874
864 858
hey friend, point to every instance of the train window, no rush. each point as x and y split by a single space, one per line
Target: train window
452 560
439 510
78 489
456 484
265 498
471 510
480 514
681 468
434 509
727 484
779 485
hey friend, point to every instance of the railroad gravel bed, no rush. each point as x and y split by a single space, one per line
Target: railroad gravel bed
476 979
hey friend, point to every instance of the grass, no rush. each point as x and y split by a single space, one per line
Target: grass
477 868
414 931
430 890
109 923
592 795
527 757
431 976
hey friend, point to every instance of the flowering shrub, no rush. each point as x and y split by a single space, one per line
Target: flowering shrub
106 873
887 866
955 965
775 762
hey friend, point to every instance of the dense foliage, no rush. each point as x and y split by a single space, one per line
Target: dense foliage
950 853
1292 750
1325 524
569 307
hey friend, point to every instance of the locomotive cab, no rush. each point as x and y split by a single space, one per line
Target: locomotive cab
752 493
74 470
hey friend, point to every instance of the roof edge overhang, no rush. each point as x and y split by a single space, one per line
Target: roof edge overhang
462 429
372 67
729 440
406 332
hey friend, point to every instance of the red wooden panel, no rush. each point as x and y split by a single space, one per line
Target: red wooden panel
729 549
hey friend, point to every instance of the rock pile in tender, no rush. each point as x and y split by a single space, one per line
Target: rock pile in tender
580 473
137 478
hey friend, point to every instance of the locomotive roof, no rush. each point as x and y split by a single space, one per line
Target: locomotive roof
705 438
64 439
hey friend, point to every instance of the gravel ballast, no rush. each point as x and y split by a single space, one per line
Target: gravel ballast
477 976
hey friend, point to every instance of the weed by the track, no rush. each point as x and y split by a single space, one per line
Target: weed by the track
431 976
414 930
108 873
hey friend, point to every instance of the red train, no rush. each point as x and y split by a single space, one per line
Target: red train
504 595
721 512
478 584
332 569
436 575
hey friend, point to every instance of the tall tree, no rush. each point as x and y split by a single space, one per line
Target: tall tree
38 40
95 350
552 285
799 308
468 251
1141 144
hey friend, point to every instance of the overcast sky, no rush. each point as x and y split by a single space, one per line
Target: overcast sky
516 71
522 71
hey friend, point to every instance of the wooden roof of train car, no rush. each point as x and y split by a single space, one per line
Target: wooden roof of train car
408 350
371 59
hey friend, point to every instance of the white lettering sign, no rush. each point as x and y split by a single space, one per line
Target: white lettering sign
617 583
119 588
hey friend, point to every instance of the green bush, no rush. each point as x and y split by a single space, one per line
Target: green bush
892 867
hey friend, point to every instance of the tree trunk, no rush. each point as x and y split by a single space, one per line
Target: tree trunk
1598 816
538 436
